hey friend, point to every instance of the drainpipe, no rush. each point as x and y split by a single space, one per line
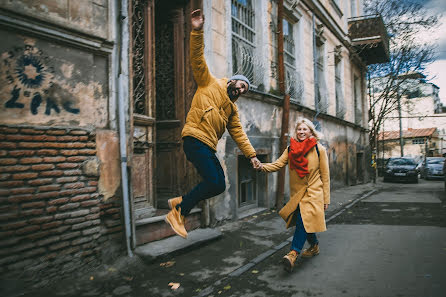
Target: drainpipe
286 104
123 88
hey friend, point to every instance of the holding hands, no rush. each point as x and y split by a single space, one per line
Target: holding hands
256 164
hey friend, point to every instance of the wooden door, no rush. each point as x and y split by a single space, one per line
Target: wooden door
142 92
174 91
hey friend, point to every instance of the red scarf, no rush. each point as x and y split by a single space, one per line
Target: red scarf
297 151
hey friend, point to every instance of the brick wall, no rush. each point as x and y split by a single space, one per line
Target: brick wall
52 218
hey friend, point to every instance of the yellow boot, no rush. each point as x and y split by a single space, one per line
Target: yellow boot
289 259
311 251
174 202
176 222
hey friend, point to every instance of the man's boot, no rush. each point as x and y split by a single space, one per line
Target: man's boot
289 259
174 202
176 222
311 251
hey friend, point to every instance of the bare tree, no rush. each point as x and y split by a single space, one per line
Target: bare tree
405 21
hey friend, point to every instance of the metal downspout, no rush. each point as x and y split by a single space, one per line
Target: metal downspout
123 88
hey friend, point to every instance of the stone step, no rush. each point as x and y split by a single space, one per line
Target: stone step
155 228
162 248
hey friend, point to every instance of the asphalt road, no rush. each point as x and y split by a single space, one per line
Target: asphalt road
392 243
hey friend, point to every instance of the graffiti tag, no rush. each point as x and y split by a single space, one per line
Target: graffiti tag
31 78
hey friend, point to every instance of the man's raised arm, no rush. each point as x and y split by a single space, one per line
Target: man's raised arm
200 69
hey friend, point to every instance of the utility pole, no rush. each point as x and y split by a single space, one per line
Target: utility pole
398 97
286 103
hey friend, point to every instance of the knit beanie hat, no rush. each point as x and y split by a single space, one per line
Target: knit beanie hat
241 77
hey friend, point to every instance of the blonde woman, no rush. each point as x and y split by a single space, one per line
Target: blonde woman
309 190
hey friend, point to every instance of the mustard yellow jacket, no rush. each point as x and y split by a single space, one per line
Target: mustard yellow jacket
211 111
310 192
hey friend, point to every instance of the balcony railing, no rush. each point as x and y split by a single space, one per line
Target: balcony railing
369 37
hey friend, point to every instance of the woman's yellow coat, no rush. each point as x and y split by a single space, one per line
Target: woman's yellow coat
211 111
310 193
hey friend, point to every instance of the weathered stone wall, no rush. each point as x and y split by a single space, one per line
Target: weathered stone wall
54 219
88 16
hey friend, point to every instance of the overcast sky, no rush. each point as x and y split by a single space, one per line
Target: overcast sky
437 71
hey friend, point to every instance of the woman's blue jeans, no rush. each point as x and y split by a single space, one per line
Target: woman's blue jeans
300 235
208 166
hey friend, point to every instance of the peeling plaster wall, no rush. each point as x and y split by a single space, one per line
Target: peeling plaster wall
85 16
46 83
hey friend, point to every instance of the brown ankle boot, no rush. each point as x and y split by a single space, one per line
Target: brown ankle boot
176 222
174 202
311 251
289 259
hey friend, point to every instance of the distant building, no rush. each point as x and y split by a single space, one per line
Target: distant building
417 143
421 110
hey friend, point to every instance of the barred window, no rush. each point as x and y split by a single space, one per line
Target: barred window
288 44
243 39
319 79
340 109
293 80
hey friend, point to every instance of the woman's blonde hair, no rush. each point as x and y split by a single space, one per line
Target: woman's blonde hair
310 125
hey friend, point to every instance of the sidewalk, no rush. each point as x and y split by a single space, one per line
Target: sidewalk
198 270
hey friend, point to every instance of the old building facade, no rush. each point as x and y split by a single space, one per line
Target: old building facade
94 95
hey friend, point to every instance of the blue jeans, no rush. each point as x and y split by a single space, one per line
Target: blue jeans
208 166
300 235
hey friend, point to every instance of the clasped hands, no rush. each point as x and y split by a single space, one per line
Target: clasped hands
256 164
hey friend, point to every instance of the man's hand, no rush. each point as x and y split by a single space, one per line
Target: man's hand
256 164
197 20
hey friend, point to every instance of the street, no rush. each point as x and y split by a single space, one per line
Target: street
390 242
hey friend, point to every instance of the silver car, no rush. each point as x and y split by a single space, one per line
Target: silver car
432 168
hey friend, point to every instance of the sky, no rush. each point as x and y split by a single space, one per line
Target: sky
436 72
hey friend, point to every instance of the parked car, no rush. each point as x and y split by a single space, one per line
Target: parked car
432 168
444 175
403 169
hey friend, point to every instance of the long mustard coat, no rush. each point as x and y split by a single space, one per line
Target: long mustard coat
310 193
212 112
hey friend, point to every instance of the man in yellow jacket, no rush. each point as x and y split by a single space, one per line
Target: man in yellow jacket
212 112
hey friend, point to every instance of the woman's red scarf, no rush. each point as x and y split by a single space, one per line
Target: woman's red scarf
297 151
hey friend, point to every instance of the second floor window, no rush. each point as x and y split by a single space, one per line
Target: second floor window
293 80
357 100
340 109
288 44
243 38
319 79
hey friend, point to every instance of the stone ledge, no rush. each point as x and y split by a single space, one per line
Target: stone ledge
161 248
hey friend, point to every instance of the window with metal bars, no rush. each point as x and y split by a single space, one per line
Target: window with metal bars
288 44
340 109
319 75
243 38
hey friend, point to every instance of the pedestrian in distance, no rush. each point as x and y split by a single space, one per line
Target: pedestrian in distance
309 180
212 111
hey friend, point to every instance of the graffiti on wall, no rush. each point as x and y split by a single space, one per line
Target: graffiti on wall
31 79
